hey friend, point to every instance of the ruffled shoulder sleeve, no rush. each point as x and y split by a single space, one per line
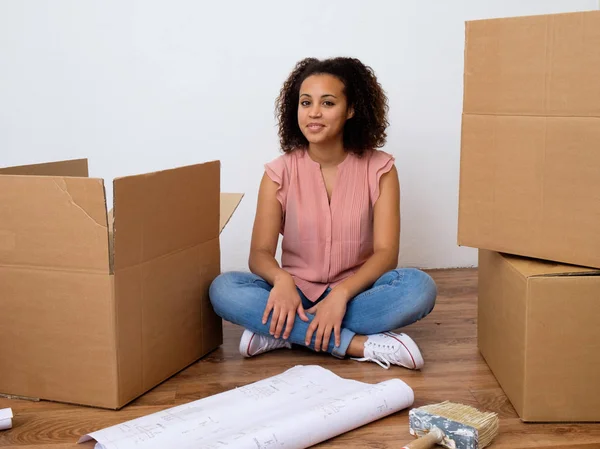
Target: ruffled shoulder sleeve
380 163
278 171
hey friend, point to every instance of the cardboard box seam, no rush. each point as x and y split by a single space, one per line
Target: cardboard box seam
565 275
55 269
459 239
512 267
164 256
115 339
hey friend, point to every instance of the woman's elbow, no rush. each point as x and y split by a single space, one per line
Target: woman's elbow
393 264
257 255
390 256
252 261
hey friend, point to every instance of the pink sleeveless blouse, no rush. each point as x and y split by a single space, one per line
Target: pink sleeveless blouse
323 242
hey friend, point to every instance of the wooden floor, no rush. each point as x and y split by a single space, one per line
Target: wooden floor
453 371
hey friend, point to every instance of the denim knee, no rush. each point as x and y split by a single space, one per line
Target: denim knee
235 290
421 285
221 292
425 286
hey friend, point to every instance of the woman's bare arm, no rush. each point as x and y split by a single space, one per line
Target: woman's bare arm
265 234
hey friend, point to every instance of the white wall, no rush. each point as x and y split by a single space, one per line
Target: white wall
137 86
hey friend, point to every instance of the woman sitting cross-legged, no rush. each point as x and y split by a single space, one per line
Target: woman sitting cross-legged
335 199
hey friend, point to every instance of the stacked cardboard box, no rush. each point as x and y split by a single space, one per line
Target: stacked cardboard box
530 201
98 308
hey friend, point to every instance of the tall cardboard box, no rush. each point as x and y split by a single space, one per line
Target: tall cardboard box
97 311
530 151
538 331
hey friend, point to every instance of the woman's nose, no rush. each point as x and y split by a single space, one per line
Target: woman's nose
314 112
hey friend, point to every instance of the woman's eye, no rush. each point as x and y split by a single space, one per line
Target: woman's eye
305 103
328 103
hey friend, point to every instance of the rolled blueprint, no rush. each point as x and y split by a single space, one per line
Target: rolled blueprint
6 416
296 409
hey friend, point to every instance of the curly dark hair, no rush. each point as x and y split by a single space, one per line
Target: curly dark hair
364 131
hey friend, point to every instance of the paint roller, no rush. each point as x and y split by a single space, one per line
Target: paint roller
451 425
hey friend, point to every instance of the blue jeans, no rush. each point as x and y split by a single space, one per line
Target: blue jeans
398 298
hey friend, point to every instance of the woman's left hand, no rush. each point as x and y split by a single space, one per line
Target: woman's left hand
329 314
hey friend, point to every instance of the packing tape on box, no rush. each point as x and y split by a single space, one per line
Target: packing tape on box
6 416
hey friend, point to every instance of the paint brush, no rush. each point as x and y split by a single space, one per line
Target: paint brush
451 425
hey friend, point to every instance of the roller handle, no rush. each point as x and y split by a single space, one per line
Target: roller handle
428 441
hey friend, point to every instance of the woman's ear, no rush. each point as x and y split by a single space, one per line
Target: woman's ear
350 113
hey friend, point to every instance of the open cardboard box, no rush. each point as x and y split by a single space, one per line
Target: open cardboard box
96 311
538 331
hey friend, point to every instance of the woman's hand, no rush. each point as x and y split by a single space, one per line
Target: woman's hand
284 301
329 314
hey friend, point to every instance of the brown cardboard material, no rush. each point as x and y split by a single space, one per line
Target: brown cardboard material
99 308
229 203
538 332
530 159
74 167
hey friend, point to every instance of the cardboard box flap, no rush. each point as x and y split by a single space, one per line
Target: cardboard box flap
529 267
74 167
229 203
537 65
57 222
156 214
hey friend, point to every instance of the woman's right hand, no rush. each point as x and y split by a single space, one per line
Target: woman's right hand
284 301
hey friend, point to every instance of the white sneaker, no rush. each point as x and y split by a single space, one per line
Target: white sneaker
252 344
389 348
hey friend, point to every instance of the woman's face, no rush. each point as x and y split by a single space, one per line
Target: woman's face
322 109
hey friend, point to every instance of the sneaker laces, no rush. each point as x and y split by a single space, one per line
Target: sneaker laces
382 354
267 343
273 343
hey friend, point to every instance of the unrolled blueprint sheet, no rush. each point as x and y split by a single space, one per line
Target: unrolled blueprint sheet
295 409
